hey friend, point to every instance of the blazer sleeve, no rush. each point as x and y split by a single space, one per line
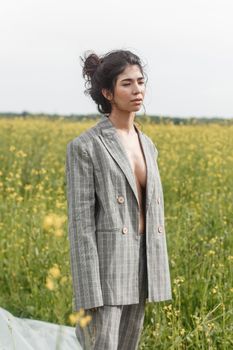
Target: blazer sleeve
84 259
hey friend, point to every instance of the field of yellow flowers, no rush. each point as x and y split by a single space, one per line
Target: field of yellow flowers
196 163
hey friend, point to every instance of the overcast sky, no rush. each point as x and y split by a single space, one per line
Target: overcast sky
187 46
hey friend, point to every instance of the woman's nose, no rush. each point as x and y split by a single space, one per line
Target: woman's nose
137 90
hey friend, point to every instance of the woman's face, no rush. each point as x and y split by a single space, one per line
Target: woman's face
130 85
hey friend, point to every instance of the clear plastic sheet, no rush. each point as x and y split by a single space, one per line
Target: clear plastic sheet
25 334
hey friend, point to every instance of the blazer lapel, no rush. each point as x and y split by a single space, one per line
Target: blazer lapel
112 142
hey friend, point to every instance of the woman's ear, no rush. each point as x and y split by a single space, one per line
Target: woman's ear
107 94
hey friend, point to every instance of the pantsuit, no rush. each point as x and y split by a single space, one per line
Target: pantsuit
118 327
105 244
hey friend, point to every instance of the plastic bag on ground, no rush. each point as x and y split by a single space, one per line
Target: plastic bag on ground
26 334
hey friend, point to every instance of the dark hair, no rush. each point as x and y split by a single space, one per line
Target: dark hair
101 72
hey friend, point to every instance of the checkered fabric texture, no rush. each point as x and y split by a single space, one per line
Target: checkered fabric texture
117 327
103 221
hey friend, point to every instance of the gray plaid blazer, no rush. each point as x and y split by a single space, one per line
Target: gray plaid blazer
103 229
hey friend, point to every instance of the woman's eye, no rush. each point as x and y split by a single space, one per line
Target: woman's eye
140 82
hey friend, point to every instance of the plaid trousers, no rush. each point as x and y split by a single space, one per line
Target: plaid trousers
117 327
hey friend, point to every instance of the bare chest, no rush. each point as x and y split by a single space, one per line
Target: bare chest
136 158
135 155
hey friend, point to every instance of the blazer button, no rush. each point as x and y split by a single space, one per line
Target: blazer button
160 229
120 199
124 230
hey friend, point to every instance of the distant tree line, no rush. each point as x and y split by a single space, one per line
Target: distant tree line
157 119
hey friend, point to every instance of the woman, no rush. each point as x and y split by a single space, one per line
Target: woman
116 210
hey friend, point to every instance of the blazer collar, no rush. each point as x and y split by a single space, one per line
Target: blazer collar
113 144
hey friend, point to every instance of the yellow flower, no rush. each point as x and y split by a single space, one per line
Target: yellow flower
182 331
177 281
55 271
214 290
58 233
80 317
63 280
58 221
43 171
73 318
48 222
210 325
211 252
85 321
50 284
59 205
81 312
213 240
53 220
12 148
177 312
28 187
21 153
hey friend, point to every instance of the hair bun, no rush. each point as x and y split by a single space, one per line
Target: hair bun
90 64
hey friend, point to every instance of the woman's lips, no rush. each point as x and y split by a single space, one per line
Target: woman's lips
137 102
